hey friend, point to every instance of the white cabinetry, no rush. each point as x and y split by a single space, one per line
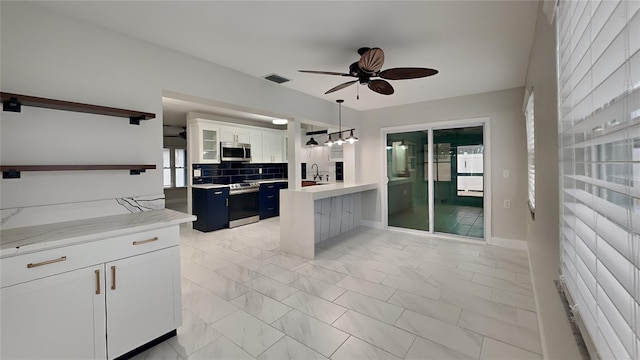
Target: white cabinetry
272 147
234 134
57 317
336 153
205 145
256 146
94 300
142 295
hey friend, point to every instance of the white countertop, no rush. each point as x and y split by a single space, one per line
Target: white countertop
40 237
209 186
267 181
335 189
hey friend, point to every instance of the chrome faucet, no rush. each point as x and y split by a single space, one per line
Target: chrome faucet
317 174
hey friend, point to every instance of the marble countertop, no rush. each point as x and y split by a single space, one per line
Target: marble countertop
334 189
209 186
41 237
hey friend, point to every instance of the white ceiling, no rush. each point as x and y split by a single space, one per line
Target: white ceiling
477 46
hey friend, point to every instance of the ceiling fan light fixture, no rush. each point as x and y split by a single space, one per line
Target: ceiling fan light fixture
351 139
279 121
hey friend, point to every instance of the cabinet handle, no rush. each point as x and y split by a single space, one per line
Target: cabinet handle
270 186
270 197
227 204
97 282
217 193
32 265
140 242
113 277
270 208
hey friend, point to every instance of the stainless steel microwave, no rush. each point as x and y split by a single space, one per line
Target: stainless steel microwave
230 151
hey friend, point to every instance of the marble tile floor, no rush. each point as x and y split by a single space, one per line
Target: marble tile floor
369 294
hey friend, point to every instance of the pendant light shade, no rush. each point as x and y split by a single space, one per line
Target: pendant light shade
351 139
329 141
312 142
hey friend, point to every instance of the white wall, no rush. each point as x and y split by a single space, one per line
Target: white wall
508 150
543 232
47 55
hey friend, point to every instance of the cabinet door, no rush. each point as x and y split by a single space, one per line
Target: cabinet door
57 317
256 147
268 200
211 208
335 153
273 147
143 299
227 134
243 136
208 145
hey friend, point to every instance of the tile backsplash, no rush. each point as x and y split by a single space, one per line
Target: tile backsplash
236 172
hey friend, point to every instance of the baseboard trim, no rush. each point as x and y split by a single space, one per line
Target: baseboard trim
510 243
372 224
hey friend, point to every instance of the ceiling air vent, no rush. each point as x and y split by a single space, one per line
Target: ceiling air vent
276 78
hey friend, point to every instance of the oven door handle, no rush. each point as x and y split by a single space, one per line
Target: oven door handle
243 191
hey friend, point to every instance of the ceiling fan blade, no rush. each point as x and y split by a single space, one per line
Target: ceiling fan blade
341 86
324 72
371 61
406 73
381 86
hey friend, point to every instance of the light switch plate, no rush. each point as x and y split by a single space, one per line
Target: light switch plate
197 172
507 204
506 174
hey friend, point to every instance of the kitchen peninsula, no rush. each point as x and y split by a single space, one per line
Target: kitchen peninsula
313 214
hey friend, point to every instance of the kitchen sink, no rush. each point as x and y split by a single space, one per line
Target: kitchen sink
313 183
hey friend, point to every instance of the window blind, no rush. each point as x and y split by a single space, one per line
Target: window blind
531 164
598 60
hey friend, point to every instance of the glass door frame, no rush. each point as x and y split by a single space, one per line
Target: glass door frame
430 127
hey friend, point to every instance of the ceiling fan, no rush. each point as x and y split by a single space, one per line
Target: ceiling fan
182 134
368 67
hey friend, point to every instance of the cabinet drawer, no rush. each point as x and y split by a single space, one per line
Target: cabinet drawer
27 267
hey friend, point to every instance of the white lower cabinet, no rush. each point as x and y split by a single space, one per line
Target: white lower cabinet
126 294
58 317
142 294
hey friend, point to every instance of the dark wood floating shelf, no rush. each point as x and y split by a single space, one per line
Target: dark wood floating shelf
13 171
14 102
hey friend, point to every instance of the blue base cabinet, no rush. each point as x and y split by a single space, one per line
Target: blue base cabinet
211 206
270 199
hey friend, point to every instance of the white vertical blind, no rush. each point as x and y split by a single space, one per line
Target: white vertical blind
531 163
599 137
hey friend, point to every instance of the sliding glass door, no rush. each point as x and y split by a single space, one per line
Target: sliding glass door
455 205
407 188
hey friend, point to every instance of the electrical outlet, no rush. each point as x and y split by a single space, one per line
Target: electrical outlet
506 174
507 204
259 170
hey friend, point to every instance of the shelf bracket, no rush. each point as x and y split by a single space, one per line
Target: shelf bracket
136 171
11 174
135 120
12 105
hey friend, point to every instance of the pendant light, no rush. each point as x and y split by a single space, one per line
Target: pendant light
340 140
312 142
329 141
351 139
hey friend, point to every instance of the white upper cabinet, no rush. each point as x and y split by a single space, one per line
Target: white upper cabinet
205 145
256 146
335 153
272 147
234 134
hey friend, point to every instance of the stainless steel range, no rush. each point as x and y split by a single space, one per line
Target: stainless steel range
243 204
